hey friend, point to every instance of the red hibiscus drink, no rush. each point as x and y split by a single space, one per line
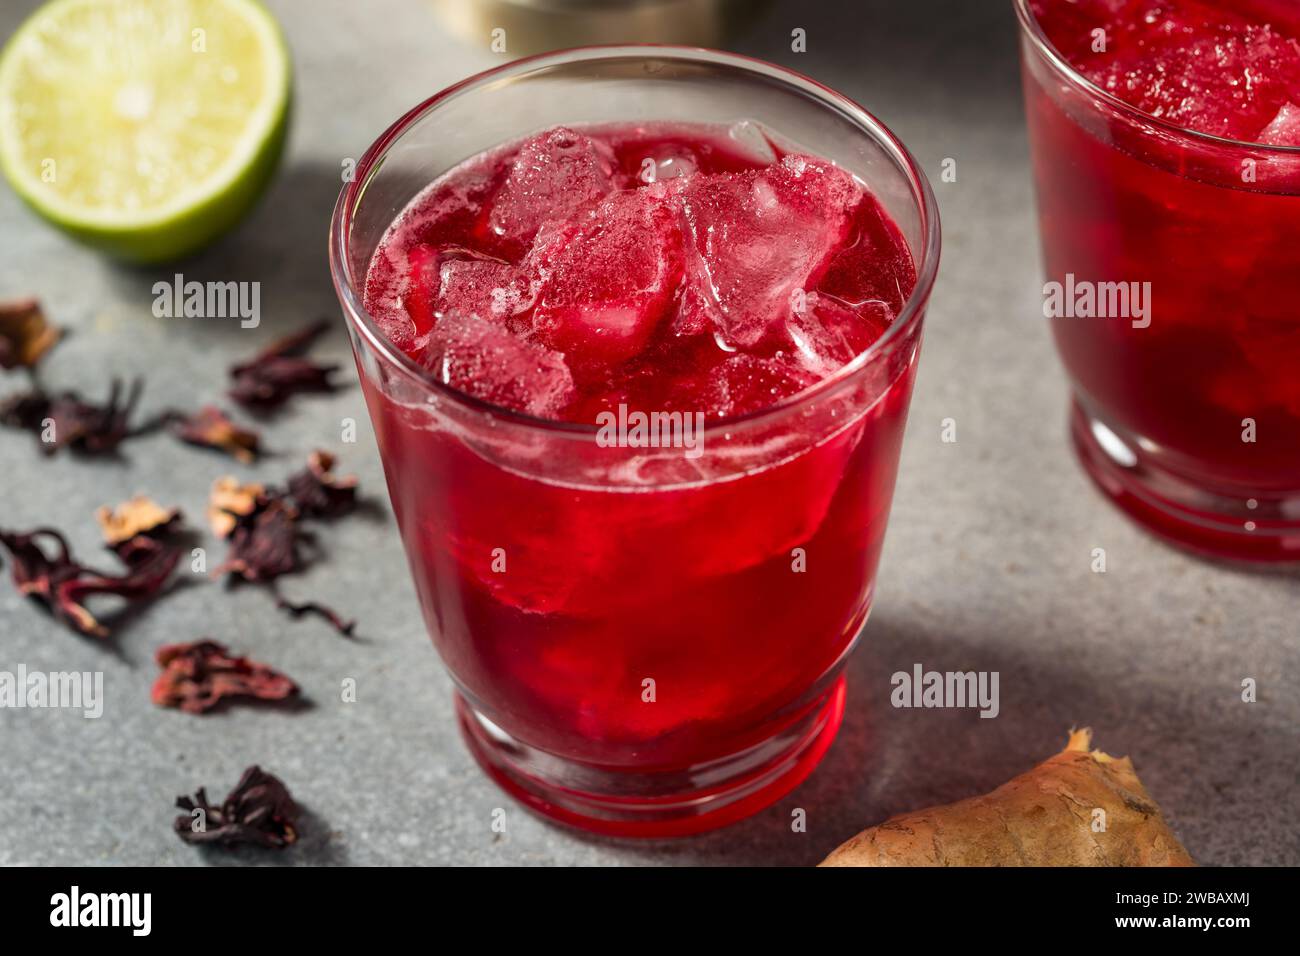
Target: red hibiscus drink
637 330
1166 145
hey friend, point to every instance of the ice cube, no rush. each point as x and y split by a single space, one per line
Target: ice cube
553 175
483 287
1284 130
753 239
606 280
745 383
667 164
1201 66
874 265
826 334
753 141
486 360
420 288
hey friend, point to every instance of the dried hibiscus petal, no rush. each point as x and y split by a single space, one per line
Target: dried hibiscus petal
259 811
210 427
35 573
68 420
146 578
264 527
25 411
323 611
143 548
281 370
316 491
25 335
62 585
139 530
264 545
140 515
198 676
229 501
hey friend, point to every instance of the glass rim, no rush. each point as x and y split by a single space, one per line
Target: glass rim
352 193
1031 28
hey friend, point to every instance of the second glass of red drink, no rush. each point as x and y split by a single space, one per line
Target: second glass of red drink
1166 146
637 328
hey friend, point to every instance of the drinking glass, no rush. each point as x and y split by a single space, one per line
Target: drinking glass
643 642
1187 417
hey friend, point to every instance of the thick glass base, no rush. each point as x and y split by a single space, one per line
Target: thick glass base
1258 530
629 804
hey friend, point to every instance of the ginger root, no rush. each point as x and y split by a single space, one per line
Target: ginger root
1046 817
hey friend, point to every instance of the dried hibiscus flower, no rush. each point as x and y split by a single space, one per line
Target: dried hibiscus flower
196 677
264 544
25 336
62 584
264 527
210 427
68 420
258 811
281 370
318 492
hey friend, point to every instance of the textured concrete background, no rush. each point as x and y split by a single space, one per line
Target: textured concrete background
986 566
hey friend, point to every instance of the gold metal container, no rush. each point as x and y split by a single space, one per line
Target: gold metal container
535 26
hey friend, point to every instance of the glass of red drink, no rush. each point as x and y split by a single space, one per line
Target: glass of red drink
1166 149
644 640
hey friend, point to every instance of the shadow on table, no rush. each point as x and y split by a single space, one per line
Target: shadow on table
282 244
887 761
317 846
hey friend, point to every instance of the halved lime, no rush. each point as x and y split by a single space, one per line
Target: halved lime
144 127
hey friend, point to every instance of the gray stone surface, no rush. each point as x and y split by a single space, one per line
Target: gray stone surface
986 565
